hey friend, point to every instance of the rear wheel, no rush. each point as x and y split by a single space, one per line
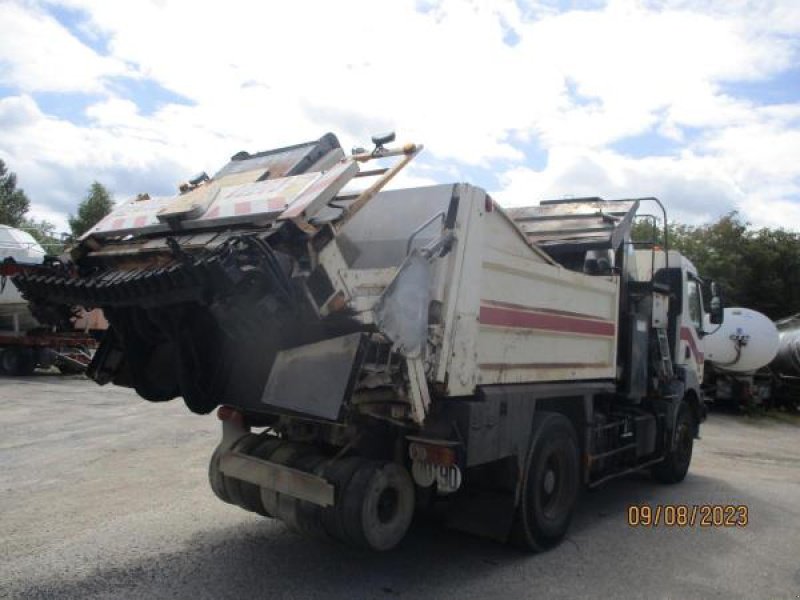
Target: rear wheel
17 361
550 486
676 463
378 505
250 492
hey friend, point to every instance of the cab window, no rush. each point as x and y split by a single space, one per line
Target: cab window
695 304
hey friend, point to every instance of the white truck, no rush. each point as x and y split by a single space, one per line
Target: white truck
374 352
24 343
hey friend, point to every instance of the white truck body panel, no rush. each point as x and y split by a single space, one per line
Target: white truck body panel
527 319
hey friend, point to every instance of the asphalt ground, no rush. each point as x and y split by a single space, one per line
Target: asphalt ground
103 495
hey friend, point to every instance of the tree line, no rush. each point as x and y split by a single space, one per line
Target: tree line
15 205
758 268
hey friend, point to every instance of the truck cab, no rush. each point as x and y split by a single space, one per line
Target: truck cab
687 308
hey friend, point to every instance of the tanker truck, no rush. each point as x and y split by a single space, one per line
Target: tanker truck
785 369
737 353
374 352
24 343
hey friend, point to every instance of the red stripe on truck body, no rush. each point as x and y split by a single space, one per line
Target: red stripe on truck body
503 315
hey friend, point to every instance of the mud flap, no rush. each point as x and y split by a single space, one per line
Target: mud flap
316 379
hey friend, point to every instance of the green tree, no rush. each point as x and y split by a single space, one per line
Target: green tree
95 206
758 269
44 232
13 202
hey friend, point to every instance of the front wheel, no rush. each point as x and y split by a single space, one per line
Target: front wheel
550 486
675 465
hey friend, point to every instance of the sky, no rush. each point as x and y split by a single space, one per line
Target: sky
695 102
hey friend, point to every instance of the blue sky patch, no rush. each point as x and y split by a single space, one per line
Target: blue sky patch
782 88
148 95
76 22
647 144
68 106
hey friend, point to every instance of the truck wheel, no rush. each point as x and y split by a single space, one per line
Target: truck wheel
550 485
300 515
219 482
675 465
250 492
339 473
378 505
215 477
17 361
286 452
233 486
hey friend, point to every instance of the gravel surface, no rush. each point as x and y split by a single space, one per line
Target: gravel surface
103 495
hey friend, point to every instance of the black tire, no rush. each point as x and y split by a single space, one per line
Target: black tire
676 463
303 516
339 473
17 361
233 486
250 492
215 477
550 485
282 455
378 506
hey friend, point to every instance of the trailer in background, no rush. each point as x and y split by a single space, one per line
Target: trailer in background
785 369
25 344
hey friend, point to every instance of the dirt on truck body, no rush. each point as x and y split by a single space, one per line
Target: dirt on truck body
374 352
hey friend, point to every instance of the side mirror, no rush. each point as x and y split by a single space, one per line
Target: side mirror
717 308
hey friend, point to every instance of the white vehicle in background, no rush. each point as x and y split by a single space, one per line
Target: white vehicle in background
737 353
23 249
24 343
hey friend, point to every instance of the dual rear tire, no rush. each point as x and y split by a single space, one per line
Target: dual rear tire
374 499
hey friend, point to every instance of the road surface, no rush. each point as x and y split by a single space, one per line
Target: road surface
103 495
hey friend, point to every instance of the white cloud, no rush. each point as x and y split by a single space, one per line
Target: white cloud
38 54
572 84
692 187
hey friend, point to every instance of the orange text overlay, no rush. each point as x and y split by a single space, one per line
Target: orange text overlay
688 515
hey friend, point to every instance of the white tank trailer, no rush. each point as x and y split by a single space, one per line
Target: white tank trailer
737 353
373 352
745 342
785 369
24 250
787 360
25 342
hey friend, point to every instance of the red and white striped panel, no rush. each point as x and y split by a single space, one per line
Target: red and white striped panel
259 199
133 215
322 190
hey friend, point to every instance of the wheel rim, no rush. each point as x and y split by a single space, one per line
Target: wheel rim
388 503
551 485
683 450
